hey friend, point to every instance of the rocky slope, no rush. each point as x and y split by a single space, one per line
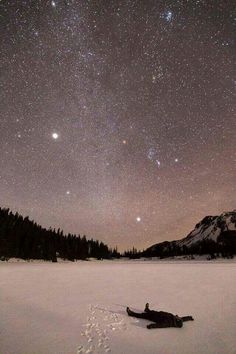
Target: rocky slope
219 229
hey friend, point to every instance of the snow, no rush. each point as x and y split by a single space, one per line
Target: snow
209 231
71 308
231 226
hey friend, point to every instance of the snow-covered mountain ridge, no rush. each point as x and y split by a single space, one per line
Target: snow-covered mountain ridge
209 228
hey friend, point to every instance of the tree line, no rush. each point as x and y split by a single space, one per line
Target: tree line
225 247
21 237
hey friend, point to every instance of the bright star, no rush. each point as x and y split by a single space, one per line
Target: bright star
53 3
138 219
55 136
124 142
176 160
67 192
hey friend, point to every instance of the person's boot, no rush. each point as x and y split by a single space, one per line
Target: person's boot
146 307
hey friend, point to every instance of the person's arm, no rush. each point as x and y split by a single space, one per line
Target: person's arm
187 318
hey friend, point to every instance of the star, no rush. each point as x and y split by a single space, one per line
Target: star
55 136
122 124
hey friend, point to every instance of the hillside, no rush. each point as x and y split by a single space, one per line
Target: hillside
23 238
213 234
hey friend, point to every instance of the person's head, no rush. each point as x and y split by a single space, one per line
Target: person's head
178 321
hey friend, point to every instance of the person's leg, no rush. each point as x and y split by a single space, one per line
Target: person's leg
137 315
157 325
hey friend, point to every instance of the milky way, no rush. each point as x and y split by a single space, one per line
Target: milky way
118 117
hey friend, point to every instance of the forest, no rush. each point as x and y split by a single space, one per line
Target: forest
21 237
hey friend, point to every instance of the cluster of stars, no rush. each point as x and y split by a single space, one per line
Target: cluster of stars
168 15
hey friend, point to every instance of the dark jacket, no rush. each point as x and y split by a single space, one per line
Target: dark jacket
165 319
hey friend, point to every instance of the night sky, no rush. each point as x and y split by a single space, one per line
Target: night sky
117 118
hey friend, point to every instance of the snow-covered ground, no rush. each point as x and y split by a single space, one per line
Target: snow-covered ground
70 308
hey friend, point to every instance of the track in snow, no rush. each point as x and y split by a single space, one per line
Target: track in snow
101 323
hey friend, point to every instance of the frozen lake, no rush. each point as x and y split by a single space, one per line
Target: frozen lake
70 308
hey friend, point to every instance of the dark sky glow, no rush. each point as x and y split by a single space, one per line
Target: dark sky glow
118 117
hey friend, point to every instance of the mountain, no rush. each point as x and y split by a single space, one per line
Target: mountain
210 228
213 234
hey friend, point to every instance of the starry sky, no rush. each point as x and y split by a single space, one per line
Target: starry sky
117 118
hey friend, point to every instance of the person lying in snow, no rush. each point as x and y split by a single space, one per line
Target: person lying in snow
162 319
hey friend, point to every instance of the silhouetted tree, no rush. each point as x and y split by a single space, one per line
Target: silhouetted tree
23 238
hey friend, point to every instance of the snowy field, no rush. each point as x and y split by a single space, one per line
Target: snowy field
72 308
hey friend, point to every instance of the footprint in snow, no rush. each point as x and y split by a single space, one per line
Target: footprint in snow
100 324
